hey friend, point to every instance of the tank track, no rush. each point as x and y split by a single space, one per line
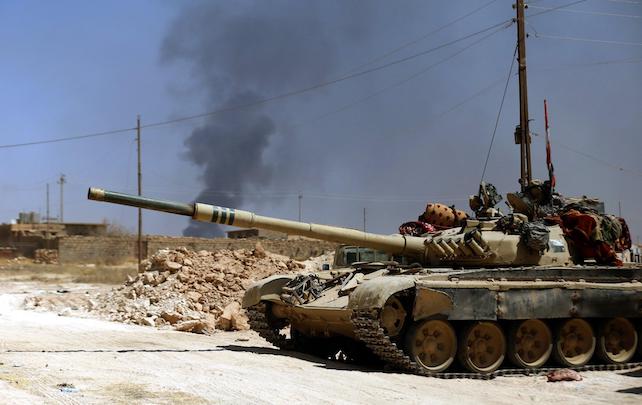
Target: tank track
368 329
259 322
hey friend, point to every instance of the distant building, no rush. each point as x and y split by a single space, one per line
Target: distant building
27 233
255 234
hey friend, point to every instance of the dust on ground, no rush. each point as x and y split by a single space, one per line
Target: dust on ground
24 269
49 358
110 362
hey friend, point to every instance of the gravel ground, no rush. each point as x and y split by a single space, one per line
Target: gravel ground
48 358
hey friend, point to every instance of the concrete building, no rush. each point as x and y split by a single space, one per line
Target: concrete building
255 234
26 234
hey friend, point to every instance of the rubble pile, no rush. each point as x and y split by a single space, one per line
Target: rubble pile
193 291
45 256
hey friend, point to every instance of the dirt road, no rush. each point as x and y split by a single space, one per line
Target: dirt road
107 362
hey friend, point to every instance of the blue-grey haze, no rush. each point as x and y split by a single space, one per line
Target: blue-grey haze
73 67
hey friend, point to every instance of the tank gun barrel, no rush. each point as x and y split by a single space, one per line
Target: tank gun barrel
396 244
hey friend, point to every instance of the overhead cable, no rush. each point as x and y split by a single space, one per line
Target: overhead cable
598 41
625 1
556 8
402 81
265 100
598 13
587 64
329 82
499 113
421 38
69 138
596 159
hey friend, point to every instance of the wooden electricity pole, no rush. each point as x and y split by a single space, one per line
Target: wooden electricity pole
523 135
140 192
62 182
47 219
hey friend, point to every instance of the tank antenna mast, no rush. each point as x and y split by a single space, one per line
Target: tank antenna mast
522 132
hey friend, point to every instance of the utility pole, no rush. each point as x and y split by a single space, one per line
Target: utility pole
364 219
140 192
522 133
62 182
47 219
619 209
300 198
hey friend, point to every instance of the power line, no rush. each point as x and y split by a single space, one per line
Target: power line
421 38
268 99
566 10
599 41
557 8
588 64
597 159
286 194
499 113
327 196
624 1
432 118
329 82
400 82
68 138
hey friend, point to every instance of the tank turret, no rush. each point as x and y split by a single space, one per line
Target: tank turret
476 243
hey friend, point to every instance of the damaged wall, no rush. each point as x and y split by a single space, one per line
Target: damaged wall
114 250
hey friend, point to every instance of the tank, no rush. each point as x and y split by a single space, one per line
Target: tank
479 299
471 297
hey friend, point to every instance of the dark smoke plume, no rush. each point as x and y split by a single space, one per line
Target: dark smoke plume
229 149
240 52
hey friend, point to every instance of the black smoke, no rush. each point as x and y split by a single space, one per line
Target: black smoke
239 53
230 149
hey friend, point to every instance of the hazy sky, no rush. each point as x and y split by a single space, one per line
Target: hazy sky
389 141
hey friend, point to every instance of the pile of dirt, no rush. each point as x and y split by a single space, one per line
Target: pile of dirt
46 256
193 291
315 264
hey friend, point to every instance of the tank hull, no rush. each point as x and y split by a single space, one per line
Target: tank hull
383 310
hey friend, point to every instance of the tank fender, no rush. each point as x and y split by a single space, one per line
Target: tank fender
267 288
429 302
374 293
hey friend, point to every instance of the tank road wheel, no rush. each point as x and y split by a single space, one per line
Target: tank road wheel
482 347
530 344
574 343
393 316
617 340
432 344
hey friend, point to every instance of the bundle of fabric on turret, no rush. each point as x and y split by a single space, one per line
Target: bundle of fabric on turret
593 235
436 217
416 228
442 216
